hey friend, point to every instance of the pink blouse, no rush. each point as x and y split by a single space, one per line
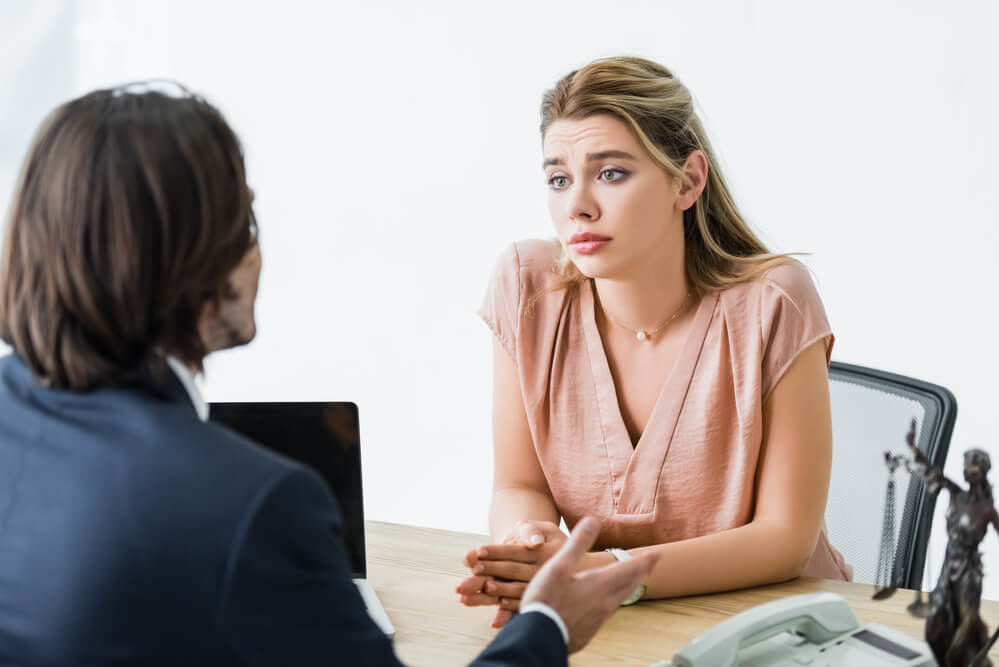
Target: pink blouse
693 470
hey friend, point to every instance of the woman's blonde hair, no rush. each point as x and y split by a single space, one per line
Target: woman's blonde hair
721 250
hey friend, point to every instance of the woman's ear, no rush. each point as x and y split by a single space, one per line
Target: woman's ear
695 177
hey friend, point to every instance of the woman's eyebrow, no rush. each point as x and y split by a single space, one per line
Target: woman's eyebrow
603 155
590 157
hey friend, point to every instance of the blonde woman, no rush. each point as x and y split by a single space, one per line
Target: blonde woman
656 366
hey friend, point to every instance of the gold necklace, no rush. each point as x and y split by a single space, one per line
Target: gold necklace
647 335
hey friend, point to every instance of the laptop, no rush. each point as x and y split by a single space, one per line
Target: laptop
325 436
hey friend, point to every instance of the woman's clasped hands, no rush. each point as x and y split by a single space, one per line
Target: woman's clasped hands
501 572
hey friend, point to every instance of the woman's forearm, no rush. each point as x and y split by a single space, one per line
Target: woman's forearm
792 483
752 555
512 504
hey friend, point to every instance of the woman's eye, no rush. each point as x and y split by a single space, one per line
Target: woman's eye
558 182
612 175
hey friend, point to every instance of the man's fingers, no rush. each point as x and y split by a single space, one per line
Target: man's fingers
581 540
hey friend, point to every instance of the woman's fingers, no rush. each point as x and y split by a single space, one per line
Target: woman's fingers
506 589
514 552
510 604
529 534
478 600
502 616
471 585
505 569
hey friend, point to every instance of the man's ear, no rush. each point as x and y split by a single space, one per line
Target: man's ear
693 181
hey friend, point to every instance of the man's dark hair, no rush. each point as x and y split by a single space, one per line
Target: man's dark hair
131 211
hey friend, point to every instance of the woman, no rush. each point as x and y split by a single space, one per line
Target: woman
656 366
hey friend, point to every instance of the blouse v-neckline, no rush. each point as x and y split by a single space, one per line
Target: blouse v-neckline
635 469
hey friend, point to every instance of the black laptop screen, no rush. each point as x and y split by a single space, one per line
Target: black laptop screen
324 436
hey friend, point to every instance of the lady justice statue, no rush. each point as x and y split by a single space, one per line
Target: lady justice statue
954 631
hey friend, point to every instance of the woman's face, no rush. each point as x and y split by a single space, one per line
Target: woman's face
614 208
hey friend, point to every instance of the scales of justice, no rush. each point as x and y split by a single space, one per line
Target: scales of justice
955 632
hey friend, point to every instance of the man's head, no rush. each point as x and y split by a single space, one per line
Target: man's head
130 235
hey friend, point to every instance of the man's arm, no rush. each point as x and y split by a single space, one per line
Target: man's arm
529 640
290 600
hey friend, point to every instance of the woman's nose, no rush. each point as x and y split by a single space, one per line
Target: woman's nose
582 205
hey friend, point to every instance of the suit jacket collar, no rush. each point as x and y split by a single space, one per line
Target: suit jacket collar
160 384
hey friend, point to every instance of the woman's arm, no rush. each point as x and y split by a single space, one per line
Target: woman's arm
791 488
522 506
520 490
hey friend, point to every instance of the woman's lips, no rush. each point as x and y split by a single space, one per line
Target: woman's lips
586 243
587 247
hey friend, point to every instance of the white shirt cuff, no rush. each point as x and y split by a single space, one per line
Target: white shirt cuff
542 608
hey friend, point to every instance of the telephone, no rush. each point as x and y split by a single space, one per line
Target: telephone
818 629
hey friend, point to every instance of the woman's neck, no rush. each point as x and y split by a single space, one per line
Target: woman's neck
648 296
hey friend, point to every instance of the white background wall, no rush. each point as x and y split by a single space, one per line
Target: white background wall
394 151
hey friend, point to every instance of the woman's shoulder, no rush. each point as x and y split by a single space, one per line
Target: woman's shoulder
780 311
787 280
523 279
781 297
537 255
789 274
530 263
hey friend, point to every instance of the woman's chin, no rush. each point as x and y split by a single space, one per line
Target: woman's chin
593 267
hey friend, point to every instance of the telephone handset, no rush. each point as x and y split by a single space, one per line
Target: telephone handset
817 629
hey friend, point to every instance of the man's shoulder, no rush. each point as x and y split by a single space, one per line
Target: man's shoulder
219 462
150 500
163 455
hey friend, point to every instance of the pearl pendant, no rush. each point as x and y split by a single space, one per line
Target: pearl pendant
641 335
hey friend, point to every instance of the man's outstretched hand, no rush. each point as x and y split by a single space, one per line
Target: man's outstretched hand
586 599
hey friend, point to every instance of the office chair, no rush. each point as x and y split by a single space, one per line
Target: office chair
871 413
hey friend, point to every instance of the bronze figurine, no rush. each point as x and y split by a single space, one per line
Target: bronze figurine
954 630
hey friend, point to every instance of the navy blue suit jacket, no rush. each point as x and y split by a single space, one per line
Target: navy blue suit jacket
133 533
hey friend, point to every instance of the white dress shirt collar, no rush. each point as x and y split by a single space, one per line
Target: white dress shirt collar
186 378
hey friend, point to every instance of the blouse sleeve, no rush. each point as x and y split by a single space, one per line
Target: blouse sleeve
501 305
792 319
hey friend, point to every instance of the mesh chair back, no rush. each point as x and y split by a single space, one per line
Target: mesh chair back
871 413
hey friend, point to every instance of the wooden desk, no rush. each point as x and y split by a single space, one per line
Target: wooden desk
415 570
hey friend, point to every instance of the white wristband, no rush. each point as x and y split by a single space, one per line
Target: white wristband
636 595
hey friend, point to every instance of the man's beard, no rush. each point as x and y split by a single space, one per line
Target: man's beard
230 330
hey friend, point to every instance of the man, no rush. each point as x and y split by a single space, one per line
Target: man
132 531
